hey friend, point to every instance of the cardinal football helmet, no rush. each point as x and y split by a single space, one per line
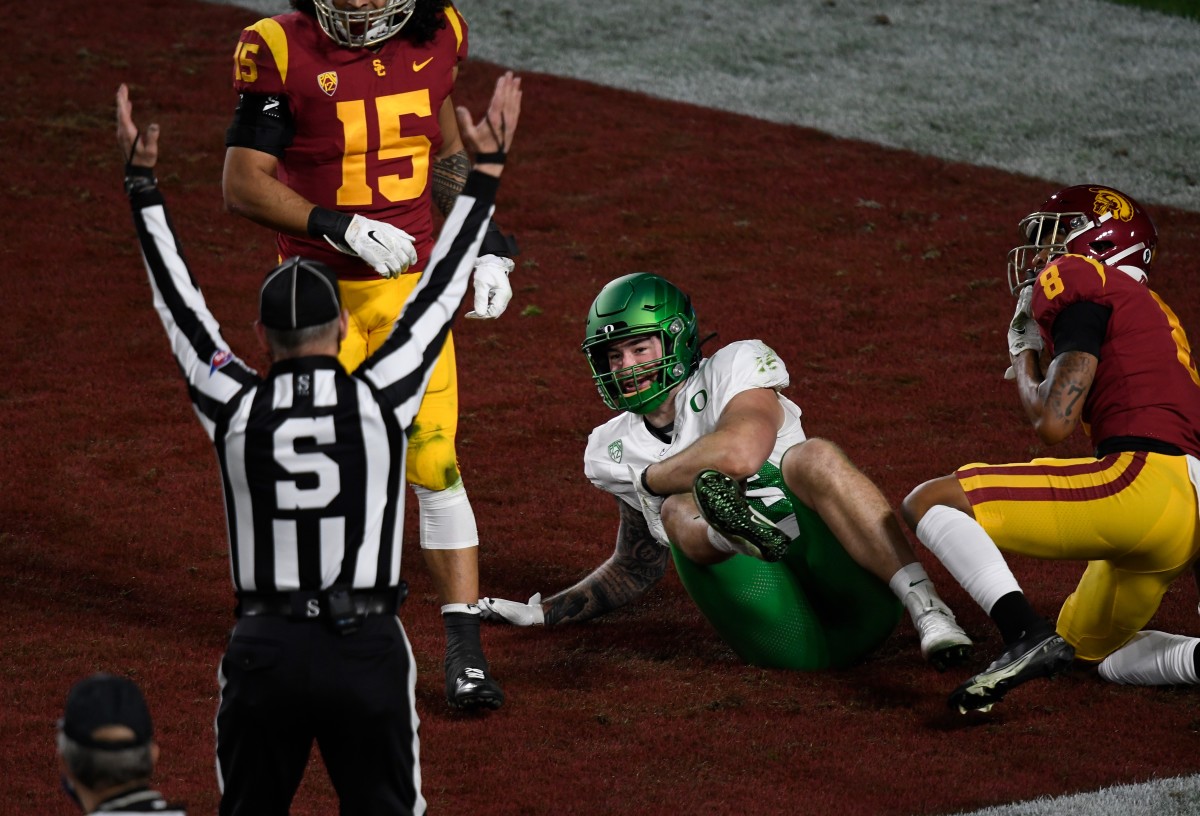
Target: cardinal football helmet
1090 220
632 306
364 27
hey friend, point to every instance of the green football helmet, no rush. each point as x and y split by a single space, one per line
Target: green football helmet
635 305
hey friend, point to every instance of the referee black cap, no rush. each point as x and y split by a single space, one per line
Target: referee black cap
297 294
106 700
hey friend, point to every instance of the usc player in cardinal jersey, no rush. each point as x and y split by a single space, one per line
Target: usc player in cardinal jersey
1119 364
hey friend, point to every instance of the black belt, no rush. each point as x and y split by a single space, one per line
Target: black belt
302 605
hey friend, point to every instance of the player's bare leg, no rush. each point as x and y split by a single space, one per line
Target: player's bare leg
859 516
686 527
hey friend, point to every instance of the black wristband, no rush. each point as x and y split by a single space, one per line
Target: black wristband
496 242
646 485
323 223
139 179
496 157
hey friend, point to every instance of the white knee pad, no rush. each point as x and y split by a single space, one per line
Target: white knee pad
447 520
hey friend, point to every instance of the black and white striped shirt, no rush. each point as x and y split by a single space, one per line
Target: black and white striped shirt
311 458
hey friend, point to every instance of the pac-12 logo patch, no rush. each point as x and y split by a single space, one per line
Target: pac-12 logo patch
328 82
615 451
220 359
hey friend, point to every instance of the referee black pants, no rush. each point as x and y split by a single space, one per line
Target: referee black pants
286 683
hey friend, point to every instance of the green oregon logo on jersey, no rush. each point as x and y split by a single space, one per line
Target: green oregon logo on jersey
767 362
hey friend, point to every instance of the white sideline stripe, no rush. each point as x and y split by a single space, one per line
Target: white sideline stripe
1179 796
934 55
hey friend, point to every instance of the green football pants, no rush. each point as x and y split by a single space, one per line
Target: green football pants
815 609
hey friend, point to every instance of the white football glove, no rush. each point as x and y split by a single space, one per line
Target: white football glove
651 507
518 614
492 290
1023 334
388 250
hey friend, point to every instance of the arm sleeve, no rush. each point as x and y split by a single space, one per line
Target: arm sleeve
1081 326
215 376
262 122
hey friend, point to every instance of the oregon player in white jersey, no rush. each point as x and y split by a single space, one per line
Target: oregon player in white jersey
715 437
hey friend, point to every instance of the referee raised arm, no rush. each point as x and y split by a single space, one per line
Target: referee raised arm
312 466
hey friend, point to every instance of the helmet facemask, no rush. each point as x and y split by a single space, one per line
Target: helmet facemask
1047 235
364 27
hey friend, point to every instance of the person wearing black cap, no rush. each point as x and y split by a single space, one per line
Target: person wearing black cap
107 748
312 462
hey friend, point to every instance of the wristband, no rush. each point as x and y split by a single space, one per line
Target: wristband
139 179
323 223
496 242
496 156
646 485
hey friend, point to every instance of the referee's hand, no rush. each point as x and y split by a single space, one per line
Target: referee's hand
492 136
137 149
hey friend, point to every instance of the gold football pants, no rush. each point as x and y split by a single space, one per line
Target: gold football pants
374 306
1131 516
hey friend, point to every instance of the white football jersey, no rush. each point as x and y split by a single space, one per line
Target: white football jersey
621 447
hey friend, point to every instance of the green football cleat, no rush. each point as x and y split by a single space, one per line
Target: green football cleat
722 502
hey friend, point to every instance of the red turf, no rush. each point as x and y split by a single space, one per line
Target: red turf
876 275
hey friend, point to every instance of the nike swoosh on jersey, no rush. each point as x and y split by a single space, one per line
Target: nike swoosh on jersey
417 66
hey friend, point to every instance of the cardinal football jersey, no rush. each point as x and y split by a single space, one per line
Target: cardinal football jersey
1146 383
366 123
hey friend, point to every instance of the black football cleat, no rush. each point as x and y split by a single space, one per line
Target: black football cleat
1036 655
471 687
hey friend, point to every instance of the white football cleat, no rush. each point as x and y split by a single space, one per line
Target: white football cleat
943 641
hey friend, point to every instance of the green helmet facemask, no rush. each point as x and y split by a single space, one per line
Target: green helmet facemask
632 306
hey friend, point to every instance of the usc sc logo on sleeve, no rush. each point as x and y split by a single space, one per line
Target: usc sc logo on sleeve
328 82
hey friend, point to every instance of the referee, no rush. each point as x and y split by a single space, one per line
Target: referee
312 465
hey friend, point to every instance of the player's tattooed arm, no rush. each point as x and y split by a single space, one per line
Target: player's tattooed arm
637 563
449 177
1058 406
